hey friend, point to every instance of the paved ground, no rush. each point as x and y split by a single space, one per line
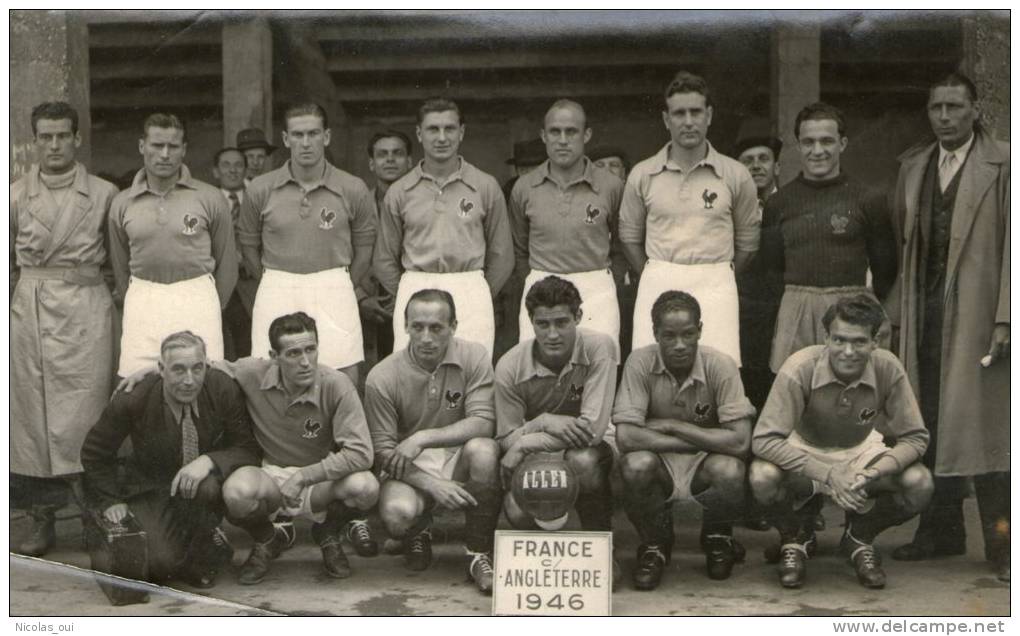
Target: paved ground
296 585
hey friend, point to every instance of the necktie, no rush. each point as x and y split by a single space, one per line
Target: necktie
947 171
189 438
235 207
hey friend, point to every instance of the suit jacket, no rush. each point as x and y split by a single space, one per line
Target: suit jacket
974 407
224 435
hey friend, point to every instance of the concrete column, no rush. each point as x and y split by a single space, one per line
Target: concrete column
986 61
49 62
247 78
795 83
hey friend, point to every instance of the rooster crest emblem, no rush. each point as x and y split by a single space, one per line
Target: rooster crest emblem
190 225
574 393
465 208
591 213
865 416
839 223
453 399
701 412
709 198
312 428
327 218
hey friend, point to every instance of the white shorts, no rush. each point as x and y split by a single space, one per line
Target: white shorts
327 296
439 462
859 456
599 303
279 475
471 296
712 285
682 467
153 311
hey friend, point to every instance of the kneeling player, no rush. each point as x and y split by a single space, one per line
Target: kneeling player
317 451
821 433
554 393
684 425
430 412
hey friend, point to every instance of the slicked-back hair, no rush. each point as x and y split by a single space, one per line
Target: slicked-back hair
860 309
55 110
957 78
553 291
222 151
181 340
164 120
674 300
305 108
817 112
388 134
290 324
686 82
439 105
432 296
570 104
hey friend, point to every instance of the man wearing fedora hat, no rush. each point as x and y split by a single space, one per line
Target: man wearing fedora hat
256 148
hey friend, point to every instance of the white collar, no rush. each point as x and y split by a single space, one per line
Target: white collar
960 153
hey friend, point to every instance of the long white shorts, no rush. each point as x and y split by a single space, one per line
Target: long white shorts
327 296
439 462
279 475
471 296
859 456
712 285
600 307
153 311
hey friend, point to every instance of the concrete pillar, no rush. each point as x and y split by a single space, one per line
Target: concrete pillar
986 61
247 79
795 83
49 62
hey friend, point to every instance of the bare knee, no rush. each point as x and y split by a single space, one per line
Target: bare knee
917 486
724 472
482 456
765 479
358 490
638 468
398 513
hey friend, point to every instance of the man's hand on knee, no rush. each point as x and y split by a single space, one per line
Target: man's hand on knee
188 478
116 513
452 495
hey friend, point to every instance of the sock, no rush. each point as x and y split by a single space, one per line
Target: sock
337 514
652 515
885 514
256 524
480 521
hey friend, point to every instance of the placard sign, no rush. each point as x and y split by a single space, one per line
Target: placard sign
553 574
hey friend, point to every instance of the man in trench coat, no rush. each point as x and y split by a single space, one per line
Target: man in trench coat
61 319
951 304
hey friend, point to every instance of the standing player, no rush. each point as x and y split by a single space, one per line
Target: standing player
684 425
821 433
61 319
554 394
389 158
444 225
832 230
429 409
952 206
172 249
689 219
308 227
563 217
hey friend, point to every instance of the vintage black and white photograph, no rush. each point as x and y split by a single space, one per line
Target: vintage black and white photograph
380 312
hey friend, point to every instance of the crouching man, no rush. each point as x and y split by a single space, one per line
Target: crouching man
684 425
821 433
430 411
190 431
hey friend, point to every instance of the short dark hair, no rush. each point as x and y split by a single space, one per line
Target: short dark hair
819 111
55 110
674 300
439 105
687 82
387 134
433 296
305 108
860 309
553 291
164 120
298 322
956 78
223 151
